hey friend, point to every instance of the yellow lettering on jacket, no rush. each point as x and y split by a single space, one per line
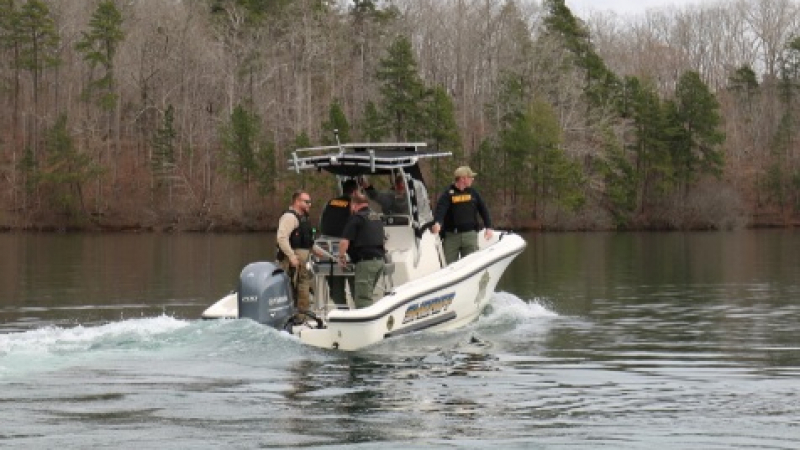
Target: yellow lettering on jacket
339 203
463 198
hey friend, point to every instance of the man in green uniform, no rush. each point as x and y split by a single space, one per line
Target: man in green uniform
363 239
457 213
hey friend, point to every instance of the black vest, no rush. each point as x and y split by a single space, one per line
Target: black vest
369 241
303 235
463 213
335 216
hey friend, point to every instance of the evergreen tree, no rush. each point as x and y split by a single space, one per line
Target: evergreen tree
9 46
240 140
99 46
743 80
402 91
162 162
694 126
602 85
302 140
38 39
620 178
36 48
8 25
65 170
247 156
783 171
443 133
537 168
257 10
337 123
373 128
650 145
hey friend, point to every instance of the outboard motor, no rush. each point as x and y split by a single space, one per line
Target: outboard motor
265 295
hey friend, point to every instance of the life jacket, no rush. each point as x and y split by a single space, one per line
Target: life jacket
463 213
335 216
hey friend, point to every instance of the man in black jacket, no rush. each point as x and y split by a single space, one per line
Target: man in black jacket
363 243
334 216
457 214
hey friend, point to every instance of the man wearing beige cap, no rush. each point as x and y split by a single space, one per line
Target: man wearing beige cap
457 214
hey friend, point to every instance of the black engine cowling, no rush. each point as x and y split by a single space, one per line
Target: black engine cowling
265 295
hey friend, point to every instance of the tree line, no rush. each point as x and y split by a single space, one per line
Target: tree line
183 115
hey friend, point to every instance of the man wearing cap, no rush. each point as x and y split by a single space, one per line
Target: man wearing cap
362 240
457 214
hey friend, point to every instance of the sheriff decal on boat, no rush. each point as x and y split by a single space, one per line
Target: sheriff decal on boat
428 307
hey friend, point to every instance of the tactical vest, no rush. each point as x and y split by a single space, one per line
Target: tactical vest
303 235
369 241
462 214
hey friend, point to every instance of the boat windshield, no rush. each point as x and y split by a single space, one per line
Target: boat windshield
388 194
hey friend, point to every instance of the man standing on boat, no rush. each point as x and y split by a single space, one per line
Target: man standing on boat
337 211
334 216
295 239
363 241
457 213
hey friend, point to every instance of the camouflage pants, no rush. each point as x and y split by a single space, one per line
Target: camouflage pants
367 275
455 243
301 279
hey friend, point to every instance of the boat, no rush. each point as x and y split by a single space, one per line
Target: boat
418 290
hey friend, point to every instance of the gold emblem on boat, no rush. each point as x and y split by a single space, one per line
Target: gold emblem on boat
482 287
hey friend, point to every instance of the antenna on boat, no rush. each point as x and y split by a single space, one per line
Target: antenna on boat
338 142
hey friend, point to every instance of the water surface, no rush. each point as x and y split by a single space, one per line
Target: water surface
652 340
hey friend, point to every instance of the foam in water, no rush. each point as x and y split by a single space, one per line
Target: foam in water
51 347
157 338
510 307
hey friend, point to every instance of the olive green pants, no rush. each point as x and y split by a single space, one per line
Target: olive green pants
366 277
463 243
301 279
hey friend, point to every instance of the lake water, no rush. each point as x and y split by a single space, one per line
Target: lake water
619 341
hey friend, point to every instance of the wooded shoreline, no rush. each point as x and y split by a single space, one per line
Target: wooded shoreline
181 116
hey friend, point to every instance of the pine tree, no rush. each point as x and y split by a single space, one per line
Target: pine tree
336 123
443 134
602 85
373 127
9 46
402 91
653 171
538 170
65 170
99 46
36 42
695 123
162 163
242 141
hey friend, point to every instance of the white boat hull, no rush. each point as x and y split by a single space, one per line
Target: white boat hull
445 299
